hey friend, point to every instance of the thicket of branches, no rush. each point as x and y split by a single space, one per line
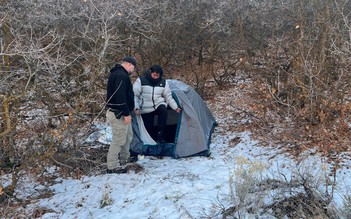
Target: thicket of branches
55 58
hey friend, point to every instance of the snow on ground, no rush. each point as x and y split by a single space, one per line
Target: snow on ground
194 187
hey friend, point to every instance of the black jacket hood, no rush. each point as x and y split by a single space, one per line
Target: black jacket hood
118 67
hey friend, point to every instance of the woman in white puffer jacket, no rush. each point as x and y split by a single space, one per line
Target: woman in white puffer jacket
152 95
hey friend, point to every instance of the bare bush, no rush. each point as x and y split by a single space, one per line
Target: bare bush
55 57
298 195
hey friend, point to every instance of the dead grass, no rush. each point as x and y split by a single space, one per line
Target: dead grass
246 106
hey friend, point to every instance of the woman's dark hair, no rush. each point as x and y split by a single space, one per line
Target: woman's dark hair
156 68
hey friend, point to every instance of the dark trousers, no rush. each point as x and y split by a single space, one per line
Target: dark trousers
149 118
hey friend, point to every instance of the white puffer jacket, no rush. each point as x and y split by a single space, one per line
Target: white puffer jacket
149 96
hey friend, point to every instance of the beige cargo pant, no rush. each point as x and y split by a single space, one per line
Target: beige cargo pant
122 135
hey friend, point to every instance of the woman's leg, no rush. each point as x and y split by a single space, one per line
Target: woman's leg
161 111
148 119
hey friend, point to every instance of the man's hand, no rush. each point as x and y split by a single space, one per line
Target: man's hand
127 119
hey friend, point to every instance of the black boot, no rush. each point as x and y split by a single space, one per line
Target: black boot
161 138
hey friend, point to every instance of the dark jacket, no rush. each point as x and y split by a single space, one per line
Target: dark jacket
120 95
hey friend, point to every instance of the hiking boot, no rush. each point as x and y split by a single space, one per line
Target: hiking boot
131 159
117 170
161 138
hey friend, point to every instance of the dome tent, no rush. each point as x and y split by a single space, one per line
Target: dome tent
187 133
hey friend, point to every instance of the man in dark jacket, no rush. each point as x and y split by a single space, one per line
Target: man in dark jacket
120 104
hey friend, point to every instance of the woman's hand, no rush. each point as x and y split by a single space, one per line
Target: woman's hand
178 110
137 112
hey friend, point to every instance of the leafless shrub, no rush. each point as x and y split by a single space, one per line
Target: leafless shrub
347 206
55 58
295 196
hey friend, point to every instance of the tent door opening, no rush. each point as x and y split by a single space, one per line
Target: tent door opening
171 126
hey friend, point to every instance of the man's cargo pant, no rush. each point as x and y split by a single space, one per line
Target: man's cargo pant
122 135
